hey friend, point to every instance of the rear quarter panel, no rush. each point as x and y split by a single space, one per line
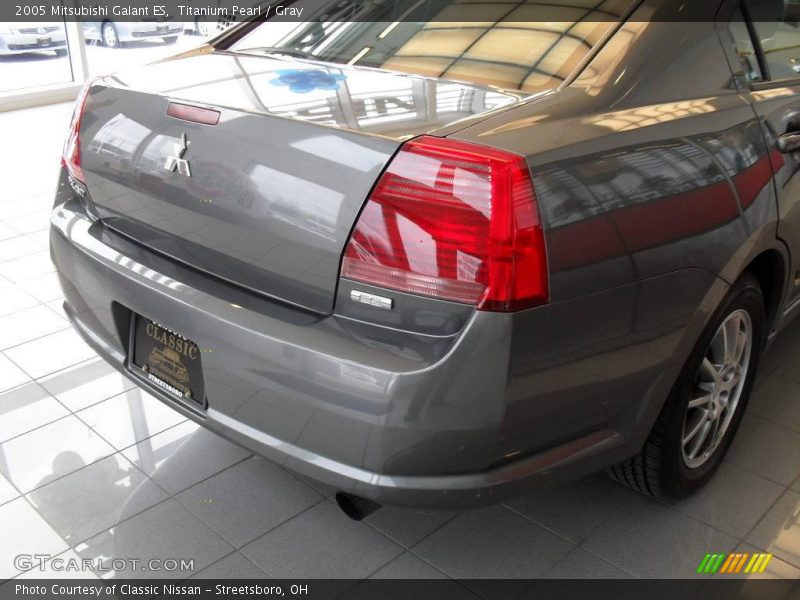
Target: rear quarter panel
655 187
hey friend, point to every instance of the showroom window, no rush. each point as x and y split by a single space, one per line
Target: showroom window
115 46
50 60
34 55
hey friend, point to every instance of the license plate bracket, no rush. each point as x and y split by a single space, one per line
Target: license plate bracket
167 360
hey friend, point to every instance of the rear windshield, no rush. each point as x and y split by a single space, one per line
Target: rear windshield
520 46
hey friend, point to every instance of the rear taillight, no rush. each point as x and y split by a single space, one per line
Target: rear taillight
71 157
455 221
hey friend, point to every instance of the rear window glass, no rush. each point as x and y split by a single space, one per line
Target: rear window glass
776 25
520 46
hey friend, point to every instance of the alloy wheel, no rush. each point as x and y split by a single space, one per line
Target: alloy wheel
205 29
717 389
110 36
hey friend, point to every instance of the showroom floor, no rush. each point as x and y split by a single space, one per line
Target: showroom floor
92 467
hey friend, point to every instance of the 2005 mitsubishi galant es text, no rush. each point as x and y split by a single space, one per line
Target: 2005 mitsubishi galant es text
435 264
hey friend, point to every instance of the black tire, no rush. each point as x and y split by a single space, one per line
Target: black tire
61 52
660 469
171 39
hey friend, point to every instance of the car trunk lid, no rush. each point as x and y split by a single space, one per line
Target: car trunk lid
267 196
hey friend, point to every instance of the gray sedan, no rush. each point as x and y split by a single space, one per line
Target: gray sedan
439 263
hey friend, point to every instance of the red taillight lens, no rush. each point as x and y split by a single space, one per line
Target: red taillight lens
455 221
71 157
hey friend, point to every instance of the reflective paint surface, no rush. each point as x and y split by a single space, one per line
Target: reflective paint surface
653 175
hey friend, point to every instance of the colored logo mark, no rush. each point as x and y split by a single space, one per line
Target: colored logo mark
301 81
738 562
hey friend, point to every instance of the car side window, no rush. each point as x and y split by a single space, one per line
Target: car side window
745 48
776 24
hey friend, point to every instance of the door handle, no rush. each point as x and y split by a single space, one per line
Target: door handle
789 142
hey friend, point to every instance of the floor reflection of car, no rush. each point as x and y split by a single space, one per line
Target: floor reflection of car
115 34
20 38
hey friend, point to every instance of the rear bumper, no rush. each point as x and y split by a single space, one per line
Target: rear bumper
416 425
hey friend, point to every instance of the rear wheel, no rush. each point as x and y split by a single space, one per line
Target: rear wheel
698 421
171 39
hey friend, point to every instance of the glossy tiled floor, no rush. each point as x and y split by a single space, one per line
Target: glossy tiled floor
91 467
